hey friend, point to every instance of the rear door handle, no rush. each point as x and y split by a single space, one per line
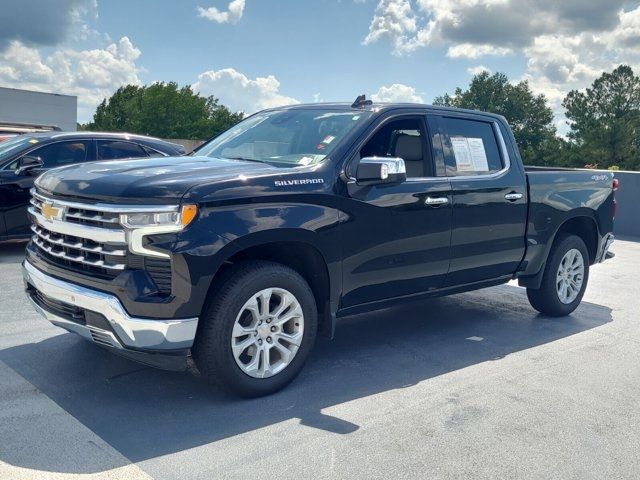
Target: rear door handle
513 196
435 201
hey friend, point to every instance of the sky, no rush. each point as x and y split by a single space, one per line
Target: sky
254 54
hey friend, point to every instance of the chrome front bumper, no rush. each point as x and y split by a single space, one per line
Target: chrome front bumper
128 332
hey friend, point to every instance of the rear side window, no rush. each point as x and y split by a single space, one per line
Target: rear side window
471 147
62 153
115 149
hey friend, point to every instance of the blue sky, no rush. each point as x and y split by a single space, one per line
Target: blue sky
258 53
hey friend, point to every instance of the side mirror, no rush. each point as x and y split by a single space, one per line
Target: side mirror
380 170
28 163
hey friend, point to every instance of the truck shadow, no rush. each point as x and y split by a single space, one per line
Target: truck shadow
145 413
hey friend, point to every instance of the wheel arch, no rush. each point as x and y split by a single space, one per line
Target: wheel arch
305 255
583 226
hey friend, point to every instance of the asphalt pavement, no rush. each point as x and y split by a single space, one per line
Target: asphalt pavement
475 385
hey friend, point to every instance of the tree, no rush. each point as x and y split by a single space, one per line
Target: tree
605 120
163 110
530 117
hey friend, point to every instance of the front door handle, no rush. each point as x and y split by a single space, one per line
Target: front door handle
513 196
435 201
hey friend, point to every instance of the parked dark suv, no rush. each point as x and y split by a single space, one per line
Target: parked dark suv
26 156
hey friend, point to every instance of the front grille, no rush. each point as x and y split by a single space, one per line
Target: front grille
84 239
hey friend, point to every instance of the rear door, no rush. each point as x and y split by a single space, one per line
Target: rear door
489 200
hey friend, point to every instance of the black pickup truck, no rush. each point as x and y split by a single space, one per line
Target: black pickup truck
239 254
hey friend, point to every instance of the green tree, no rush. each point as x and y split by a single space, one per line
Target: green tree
163 110
530 117
605 120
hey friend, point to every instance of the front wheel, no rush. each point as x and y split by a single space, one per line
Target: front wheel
257 330
564 279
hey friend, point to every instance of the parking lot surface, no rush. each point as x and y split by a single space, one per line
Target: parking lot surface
476 385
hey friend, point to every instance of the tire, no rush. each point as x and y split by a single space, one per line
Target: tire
550 299
236 308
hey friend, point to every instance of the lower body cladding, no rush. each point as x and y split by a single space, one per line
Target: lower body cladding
101 319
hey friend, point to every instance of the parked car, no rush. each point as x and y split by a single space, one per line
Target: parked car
296 217
24 157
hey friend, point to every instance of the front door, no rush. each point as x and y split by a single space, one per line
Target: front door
396 237
14 189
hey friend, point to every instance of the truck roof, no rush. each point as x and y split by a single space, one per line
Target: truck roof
385 106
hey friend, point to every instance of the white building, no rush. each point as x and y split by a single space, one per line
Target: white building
24 106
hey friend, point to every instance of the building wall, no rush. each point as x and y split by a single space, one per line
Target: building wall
24 106
628 198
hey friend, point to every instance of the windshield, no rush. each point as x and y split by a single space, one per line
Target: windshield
289 137
14 145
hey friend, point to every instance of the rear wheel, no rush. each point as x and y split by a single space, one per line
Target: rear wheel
564 280
257 330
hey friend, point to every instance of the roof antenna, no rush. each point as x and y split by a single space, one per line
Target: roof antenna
361 101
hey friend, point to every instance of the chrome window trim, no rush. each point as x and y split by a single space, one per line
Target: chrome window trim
105 207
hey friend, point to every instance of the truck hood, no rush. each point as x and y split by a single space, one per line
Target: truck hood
149 180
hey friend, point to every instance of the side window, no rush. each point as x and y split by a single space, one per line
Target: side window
405 139
62 153
116 149
470 147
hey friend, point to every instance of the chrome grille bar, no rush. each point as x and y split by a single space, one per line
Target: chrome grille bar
97 234
79 245
76 258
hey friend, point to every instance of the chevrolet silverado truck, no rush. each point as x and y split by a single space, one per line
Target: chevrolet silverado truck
238 255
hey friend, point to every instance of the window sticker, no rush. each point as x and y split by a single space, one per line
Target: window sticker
462 154
328 139
478 155
470 154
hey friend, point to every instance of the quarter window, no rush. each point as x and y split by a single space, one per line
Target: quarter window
471 147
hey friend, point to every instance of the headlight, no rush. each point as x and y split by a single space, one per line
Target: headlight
141 224
180 218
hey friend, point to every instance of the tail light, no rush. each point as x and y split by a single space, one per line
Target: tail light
615 186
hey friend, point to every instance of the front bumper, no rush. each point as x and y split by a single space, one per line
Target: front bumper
103 319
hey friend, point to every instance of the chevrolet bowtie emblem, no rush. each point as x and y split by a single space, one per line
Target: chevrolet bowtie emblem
49 212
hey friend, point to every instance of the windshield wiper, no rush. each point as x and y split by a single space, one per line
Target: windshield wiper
245 159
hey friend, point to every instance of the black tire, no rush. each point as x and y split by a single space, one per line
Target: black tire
546 299
212 350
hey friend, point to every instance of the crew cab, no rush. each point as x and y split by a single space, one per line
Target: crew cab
24 157
241 253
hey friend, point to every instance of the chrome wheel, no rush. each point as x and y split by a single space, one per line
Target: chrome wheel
267 332
570 276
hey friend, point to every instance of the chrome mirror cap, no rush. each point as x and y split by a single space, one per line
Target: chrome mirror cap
380 170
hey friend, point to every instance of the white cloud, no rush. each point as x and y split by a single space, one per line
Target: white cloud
90 74
566 44
233 14
240 93
469 50
397 92
478 69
